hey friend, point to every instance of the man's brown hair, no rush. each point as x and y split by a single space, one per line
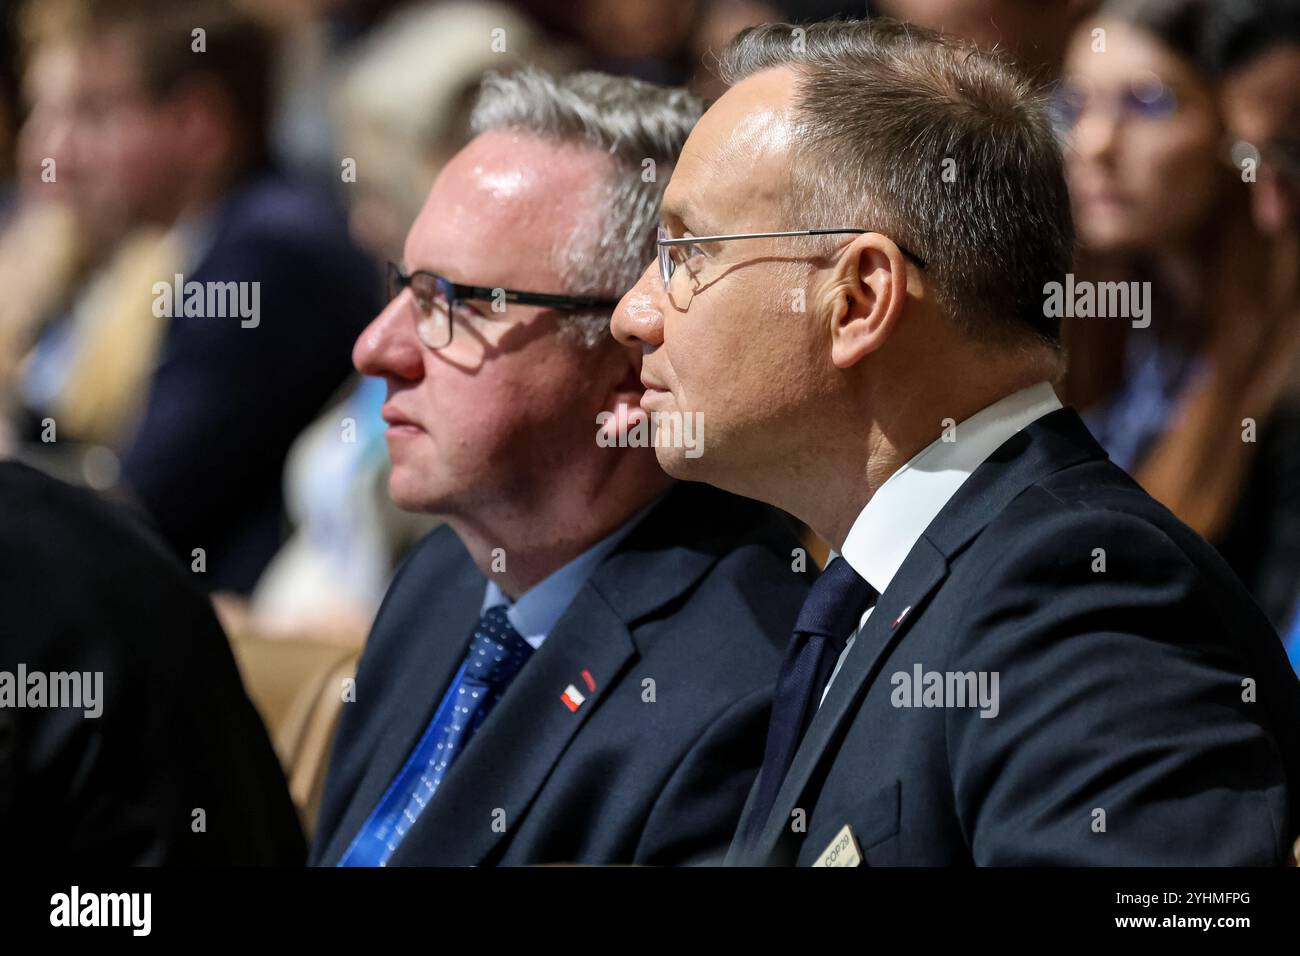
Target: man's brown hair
944 148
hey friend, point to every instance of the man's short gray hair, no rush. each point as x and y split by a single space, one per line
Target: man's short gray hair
641 126
943 147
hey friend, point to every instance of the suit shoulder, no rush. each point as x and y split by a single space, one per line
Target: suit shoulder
1095 505
1090 542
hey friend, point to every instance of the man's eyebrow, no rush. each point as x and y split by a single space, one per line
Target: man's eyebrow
685 214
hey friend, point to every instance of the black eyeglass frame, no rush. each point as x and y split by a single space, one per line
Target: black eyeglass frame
454 292
666 242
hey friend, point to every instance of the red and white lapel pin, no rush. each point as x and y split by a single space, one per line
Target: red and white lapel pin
572 697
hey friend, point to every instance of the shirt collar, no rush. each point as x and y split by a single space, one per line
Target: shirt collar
538 608
903 507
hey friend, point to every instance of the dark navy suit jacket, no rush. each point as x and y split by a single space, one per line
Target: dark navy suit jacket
682 629
1124 734
226 402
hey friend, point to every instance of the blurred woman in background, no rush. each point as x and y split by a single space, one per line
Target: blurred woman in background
1204 408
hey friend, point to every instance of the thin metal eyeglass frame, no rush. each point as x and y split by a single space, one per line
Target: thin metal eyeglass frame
665 242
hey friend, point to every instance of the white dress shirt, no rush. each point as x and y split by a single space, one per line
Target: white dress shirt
903 507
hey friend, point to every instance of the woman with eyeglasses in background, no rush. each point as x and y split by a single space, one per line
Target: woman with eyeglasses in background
1202 406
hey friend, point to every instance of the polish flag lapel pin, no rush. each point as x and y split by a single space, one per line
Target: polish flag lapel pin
899 620
573 697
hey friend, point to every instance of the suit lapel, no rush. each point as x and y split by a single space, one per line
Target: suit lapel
920 574
412 694
736 852
511 756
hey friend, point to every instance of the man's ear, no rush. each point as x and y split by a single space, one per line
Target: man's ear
865 298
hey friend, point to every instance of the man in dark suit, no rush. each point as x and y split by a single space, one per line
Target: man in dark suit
672 652
1017 657
268 296
157 756
577 667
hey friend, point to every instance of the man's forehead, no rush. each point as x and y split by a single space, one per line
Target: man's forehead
737 154
505 166
507 184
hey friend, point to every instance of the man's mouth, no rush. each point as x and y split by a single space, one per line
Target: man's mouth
398 423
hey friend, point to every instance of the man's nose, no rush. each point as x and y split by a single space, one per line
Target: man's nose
639 318
388 346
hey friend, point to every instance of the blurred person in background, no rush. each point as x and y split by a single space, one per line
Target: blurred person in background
77 333
9 99
400 115
1033 32
313 41
719 21
177 124
1254 47
662 41
1204 413
647 39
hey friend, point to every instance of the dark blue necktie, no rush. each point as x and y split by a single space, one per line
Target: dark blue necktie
496 653
829 615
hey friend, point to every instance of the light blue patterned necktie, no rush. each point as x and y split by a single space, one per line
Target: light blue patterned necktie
496 654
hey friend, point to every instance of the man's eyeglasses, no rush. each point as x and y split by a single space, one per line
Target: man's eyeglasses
437 299
677 252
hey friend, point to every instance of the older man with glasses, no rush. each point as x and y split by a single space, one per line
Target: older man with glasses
576 667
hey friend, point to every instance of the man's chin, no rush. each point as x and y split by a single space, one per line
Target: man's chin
675 464
409 495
